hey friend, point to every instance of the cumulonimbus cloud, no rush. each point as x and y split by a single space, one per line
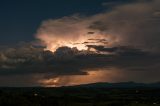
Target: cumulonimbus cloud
134 24
124 33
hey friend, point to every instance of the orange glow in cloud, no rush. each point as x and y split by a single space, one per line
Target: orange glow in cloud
68 31
98 75
51 82
52 43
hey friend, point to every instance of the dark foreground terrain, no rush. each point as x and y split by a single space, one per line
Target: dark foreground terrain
84 95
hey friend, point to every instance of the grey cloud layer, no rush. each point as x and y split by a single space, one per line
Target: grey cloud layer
40 65
69 61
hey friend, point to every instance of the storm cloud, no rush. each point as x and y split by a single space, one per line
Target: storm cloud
37 65
125 42
134 24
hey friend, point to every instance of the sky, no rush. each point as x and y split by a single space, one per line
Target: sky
20 19
70 42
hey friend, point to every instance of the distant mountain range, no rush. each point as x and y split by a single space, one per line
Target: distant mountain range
119 85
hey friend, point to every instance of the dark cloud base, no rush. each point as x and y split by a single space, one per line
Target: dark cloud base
33 63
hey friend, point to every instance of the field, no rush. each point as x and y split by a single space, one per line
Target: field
79 96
